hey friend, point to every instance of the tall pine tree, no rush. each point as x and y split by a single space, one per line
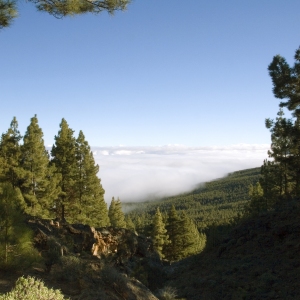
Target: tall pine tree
294 159
10 153
281 176
159 233
282 141
90 207
258 201
40 185
129 223
64 159
174 251
116 215
192 241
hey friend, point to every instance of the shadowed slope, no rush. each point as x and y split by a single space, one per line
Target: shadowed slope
259 259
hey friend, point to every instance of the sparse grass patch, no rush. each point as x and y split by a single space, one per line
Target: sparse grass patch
167 293
115 280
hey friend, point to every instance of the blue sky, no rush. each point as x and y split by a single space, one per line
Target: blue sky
192 73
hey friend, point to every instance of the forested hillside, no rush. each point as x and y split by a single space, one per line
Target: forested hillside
215 202
258 259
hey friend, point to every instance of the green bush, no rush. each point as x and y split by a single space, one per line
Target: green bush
30 288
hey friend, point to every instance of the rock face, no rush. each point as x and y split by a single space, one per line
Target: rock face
110 257
78 238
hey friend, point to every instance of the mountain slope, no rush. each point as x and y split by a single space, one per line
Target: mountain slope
216 202
259 259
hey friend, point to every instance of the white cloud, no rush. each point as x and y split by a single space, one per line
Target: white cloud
104 152
123 152
136 173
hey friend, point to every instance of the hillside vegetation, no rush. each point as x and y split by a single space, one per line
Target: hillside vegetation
258 259
232 238
213 203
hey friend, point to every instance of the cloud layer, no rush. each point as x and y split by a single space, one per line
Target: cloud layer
139 173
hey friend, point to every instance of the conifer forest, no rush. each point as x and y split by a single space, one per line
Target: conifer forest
61 187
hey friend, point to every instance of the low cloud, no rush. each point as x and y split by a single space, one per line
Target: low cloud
140 173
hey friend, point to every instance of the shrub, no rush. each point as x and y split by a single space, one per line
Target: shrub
72 268
167 293
140 273
114 279
30 288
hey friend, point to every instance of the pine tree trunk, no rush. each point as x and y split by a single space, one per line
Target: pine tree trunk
62 212
6 243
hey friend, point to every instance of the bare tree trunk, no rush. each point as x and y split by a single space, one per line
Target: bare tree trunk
6 243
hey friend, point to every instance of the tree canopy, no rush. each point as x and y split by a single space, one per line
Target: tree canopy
64 184
280 179
61 8
115 213
39 181
286 81
159 233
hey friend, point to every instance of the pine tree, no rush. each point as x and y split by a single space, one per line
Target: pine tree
159 233
90 206
64 159
184 236
282 140
111 211
129 223
62 8
116 216
139 224
281 176
10 154
286 81
294 159
192 241
39 187
258 200
174 251
286 85
16 248
270 183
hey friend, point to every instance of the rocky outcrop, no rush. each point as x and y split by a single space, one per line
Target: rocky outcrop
79 238
120 262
